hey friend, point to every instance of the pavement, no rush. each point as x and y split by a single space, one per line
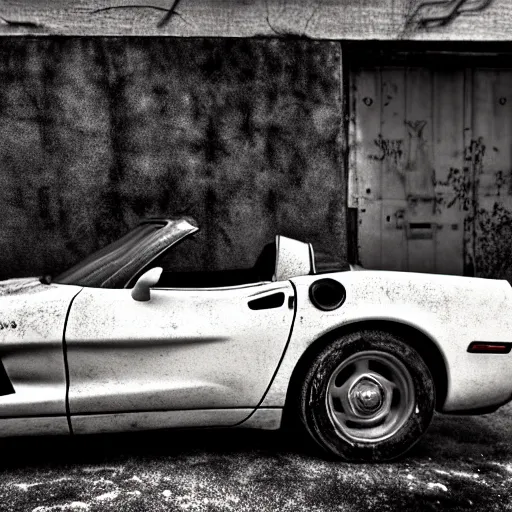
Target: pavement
462 463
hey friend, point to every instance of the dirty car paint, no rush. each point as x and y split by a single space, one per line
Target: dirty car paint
31 349
183 349
451 310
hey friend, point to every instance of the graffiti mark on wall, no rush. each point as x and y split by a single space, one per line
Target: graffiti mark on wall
475 153
489 228
487 225
409 160
388 148
460 183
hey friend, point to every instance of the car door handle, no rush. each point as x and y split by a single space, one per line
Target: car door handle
275 300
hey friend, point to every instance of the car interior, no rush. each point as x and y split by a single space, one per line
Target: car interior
262 271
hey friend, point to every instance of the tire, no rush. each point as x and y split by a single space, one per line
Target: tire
368 396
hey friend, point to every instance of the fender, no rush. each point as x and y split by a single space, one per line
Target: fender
450 310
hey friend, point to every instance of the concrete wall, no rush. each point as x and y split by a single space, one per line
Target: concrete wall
439 20
97 133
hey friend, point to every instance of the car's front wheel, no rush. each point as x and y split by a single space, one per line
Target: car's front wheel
367 396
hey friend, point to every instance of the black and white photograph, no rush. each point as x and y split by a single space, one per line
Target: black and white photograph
255 255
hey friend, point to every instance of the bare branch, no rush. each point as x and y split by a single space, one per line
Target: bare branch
313 12
291 34
170 13
441 13
112 7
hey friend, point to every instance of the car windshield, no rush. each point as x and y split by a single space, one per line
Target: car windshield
114 265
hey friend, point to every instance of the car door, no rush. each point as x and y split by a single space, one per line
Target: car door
185 349
32 369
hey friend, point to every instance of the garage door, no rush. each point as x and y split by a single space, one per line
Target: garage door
430 168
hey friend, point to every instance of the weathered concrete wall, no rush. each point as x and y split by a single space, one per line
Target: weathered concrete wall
439 20
244 135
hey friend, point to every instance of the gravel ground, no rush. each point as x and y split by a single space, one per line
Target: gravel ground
464 463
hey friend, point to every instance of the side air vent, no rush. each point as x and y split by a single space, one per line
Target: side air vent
276 300
327 294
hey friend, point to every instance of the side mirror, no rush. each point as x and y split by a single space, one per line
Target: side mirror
141 290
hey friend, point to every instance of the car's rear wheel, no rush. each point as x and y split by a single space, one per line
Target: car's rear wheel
367 396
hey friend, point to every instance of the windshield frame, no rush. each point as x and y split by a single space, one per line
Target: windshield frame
115 265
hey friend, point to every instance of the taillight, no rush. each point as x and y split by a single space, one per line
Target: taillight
489 347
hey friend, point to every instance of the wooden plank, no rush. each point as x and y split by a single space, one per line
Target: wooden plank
328 19
352 101
368 155
393 134
366 162
418 171
448 91
484 151
449 243
497 163
448 158
370 233
421 235
469 225
481 161
394 254
502 138
417 159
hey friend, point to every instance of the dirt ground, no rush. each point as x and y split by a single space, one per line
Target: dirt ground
462 463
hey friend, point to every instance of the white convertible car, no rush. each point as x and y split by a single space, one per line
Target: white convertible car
362 358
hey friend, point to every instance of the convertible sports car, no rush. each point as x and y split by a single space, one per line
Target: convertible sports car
361 358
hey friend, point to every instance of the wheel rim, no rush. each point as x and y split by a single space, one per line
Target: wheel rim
370 396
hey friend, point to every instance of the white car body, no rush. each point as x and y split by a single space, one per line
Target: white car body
82 359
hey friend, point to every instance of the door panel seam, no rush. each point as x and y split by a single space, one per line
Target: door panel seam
66 365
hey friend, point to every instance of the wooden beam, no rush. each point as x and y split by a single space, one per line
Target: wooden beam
485 20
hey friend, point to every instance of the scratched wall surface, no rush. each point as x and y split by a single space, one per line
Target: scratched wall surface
439 20
96 134
431 171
